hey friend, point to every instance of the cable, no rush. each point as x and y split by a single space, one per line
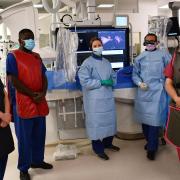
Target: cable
62 19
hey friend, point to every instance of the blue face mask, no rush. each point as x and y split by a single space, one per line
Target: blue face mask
98 51
29 44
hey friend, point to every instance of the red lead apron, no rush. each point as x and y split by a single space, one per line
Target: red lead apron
172 133
173 126
30 74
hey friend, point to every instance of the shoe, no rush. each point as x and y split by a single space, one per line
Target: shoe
43 165
113 148
103 156
163 141
145 147
24 176
151 155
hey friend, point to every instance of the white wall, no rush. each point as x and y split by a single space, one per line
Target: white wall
44 24
164 12
19 17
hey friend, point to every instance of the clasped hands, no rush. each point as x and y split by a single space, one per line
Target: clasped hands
38 96
143 86
177 101
5 119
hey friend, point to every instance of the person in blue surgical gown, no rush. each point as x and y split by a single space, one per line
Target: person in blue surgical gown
96 77
151 98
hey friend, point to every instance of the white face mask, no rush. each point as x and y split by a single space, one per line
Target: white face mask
98 50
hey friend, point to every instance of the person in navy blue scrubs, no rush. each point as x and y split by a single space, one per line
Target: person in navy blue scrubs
27 84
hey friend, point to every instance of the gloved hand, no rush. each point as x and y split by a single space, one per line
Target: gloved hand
108 82
143 86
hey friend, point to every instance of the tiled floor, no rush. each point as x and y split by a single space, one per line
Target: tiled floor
128 164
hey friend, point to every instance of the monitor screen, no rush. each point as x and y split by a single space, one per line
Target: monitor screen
117 65
173 27
121 21
84 39
115 43
112 40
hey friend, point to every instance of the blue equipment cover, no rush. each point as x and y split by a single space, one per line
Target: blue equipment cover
66 85
124 78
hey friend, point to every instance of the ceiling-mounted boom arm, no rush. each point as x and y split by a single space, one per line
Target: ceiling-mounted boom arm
174 6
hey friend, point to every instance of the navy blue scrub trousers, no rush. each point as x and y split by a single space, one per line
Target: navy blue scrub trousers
31 135
3 162
151 134
99 146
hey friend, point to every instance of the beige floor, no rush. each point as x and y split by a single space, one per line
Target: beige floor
128 164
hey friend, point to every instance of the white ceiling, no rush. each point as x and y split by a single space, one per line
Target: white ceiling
122 4
7 3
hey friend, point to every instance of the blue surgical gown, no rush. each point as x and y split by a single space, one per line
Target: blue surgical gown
98 100
151 105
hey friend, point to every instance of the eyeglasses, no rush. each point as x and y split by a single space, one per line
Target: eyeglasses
149 42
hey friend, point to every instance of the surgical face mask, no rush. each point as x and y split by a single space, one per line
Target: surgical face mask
98 50
29 44
150 47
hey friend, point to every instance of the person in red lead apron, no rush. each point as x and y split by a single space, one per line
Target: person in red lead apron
172 85
26 76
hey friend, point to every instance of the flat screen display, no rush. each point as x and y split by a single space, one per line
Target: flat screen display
113 40
173 27
115 44
84 39
121 21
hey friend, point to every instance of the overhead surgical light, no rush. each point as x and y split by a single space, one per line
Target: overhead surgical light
38 5
105 5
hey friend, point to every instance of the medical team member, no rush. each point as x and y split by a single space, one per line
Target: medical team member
6 139
151 98
26 72
172 85
96 77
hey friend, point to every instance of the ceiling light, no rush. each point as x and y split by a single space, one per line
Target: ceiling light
38 5
105 5
164 7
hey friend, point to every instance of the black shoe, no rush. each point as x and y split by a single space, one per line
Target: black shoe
145 147
113 148
151 155
103 156
24 176
43 165
163 141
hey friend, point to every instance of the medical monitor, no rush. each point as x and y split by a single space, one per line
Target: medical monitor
113 40
84 39
115 44
121 21
173 27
